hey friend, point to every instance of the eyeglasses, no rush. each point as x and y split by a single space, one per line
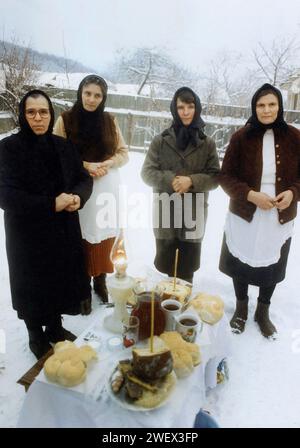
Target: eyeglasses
43 113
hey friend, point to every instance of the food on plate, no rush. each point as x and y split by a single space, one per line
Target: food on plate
181 292
210 308
186 355
152 366
68 365
147 379
153 399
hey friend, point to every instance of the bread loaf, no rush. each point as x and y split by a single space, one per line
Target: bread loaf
68 364
209 308
152 366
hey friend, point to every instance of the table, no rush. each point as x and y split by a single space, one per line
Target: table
91 406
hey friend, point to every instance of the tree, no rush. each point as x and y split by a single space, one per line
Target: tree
152 67
20 71
228 81
275 63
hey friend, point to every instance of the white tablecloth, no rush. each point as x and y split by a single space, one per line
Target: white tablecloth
91 406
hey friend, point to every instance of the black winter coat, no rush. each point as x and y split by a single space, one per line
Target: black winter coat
44 248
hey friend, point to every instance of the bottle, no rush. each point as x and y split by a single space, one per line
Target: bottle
143 311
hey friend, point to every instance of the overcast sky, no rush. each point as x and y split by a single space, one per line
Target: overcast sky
194 30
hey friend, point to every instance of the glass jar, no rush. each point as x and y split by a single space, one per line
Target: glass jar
143 311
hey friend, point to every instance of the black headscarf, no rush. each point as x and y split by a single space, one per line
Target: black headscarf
255 124
23 123
87 126
187 134
42 154
88 130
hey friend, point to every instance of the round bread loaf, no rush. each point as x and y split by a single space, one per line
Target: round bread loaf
209 308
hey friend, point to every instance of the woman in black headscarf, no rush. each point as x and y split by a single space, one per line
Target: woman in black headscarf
103 150
260 173
42 185
181 165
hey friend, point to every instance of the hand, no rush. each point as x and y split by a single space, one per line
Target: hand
182 184
96 169
283 200
262 200
86 307
75 204
109 163
63 201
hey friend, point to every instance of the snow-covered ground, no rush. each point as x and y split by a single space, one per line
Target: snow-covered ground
263 390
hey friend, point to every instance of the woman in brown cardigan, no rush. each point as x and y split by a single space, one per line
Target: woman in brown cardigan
261 175
100 142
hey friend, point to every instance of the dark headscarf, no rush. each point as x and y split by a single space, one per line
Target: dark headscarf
23 123
187 134
44 158
85 128
255 124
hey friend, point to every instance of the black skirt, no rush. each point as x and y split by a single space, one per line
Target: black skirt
261 276
188 258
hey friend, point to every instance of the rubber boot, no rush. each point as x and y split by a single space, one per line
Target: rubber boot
261 316
238 320
55 332
100 287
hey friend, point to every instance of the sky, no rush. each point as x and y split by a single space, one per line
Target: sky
194 31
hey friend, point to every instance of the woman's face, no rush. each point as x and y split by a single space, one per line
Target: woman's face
92 97
37 114
267 108
186 112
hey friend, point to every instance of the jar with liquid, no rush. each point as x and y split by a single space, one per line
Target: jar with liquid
143 311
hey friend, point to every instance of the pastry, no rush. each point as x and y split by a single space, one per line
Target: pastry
209 308
67 366
186 355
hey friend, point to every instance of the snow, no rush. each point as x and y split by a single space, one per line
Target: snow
72 81
263 389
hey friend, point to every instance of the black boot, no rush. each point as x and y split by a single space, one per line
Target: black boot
55 332
261 316
238 320
100 287
38 342
86 307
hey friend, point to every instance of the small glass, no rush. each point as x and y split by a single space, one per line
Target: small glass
130 331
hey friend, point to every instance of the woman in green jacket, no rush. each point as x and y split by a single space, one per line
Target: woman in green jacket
182 166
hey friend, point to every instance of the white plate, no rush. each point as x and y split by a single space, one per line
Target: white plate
121 400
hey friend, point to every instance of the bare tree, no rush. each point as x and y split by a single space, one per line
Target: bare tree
228 81
20 71
152 67
275 62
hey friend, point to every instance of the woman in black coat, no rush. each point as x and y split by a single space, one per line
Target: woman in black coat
42 185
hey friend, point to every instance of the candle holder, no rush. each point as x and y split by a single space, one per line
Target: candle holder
120 286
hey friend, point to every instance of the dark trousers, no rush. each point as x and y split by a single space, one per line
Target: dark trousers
241 291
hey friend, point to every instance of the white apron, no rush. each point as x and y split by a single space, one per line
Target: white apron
99 216
259 242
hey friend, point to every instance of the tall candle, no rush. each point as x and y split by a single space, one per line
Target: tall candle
152 321
175 269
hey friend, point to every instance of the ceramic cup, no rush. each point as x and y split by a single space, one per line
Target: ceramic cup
187 325
171 308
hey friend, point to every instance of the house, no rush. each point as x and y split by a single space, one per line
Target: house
292 86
